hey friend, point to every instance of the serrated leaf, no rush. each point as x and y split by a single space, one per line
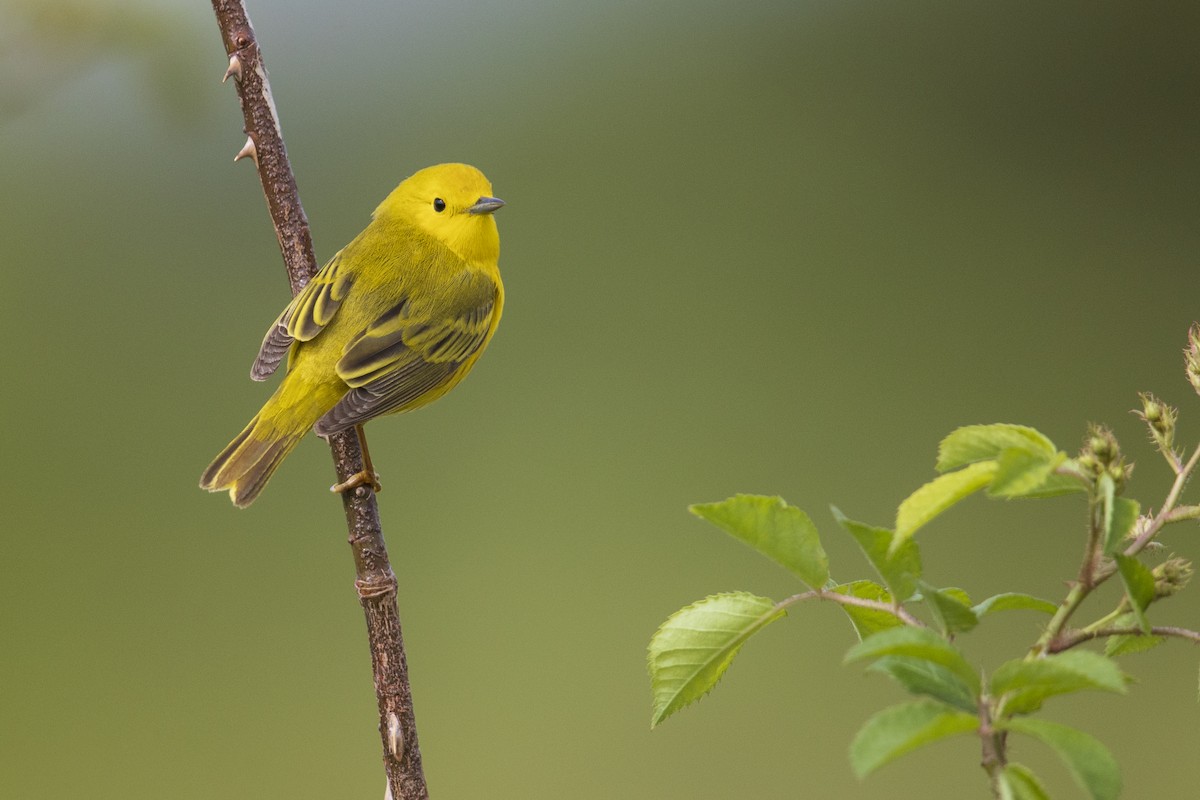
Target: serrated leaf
900 729
1017 782
1013 601
1089 762
1029 682
899 570
781 532
919 643
1120 522
1125 645
690 652
938 495
974 443
951 608
927 678
1139 587
1021 473
867 621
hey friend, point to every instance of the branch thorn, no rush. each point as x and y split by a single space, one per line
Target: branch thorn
235 68
395 735
248 151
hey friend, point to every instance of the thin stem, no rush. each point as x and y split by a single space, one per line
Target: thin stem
1181 479
1091 555
993 746
376 583
1088 634
1087 581
1164 515
1107 618
1091 574
1065 610
850 600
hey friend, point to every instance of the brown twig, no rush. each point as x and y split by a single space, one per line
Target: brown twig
1067 641
850 600
376 583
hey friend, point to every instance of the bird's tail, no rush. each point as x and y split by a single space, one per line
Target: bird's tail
247 463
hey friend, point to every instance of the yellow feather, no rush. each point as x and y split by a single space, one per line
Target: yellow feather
395 320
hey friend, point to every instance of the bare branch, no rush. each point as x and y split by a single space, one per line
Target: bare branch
376 583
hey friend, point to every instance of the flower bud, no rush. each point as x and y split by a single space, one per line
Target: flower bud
1171 576
1102 455
1160 419
1191 357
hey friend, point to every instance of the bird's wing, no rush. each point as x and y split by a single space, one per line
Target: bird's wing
305 316
411 350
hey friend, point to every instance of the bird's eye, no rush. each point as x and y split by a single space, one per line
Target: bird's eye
439 205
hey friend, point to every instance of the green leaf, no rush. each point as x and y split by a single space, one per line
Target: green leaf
1014 601
926 678
1028 683
867 621
1120 522
954 593
919 643
1139 586
897 730
951 607
1124 645
899 570
690 652
1106 489
1020 473
779 531
1018 783
986 442
1089 762
1057 485
938 495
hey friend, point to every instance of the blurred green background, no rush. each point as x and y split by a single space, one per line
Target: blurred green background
775 247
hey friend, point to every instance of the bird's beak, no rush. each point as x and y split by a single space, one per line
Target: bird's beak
486 205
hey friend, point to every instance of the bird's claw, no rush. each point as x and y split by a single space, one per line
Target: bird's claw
364 478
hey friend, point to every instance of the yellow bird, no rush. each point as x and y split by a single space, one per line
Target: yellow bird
391 323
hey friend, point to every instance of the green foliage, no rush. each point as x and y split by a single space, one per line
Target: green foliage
1120 522
1018 783
1090 763
691 650
951 609
1020 473
1008 460
900 569
973 443
915 642
938 495
909 627
897 730
1014 601
1027 682
1139 587
868 620
782 533
929 678
1123 645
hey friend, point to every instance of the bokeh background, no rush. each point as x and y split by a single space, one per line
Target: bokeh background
775 247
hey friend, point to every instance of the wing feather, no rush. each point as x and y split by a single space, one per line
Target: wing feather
407 353
305 317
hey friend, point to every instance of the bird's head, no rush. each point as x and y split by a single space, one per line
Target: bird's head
454 204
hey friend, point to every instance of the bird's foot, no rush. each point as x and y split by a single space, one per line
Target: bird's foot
364 478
